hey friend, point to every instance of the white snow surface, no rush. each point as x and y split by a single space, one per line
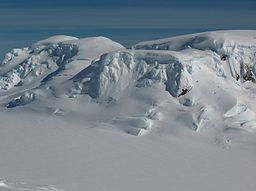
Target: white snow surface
170 114
6 185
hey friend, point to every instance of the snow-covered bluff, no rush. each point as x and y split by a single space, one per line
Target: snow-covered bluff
210 77
238 48
172 62
116 71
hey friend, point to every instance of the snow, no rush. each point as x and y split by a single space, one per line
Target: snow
6 185
24 99
114 72
54 40
170 114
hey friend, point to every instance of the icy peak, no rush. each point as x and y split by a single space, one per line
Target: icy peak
47 58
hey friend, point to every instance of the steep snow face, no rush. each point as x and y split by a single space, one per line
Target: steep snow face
40 62
237 48
225 54
46 65
46 59
207 73
115 72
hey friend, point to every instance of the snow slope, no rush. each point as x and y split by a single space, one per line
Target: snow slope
70 109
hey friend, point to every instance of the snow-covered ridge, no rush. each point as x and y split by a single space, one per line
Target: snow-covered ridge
215 40
47 58
237 47
195 69
171 62
210 74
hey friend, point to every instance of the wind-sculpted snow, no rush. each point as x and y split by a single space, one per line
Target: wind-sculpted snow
6 185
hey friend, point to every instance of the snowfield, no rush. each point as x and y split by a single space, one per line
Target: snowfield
169 114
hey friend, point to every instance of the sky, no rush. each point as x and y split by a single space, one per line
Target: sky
23 22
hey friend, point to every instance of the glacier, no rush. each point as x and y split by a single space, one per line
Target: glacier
196 70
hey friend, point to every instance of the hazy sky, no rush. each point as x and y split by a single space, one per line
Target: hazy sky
24 21
129 13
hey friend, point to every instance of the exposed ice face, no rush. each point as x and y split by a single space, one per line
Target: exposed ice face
62 55
115 72
24 99
147 64
235 48
14 54
46 59
39 61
